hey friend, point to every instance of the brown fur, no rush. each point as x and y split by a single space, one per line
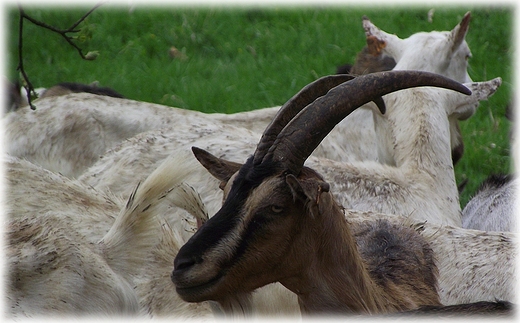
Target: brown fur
381 276
370 60
280 223
399 260
297 234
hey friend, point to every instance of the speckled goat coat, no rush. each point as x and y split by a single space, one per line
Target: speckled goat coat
74 250
423 179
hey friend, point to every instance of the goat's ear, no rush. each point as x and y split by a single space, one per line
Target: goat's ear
468 104
391 44
307 191
458 34
221 169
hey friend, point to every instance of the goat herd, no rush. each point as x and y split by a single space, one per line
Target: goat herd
108 199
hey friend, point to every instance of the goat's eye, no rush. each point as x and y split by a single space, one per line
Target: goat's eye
276 208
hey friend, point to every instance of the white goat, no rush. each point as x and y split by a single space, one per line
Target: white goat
68 134
493 206
68 250
423 178
354 139
445 53
125 165
52 272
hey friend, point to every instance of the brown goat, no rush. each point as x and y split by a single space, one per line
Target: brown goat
279 222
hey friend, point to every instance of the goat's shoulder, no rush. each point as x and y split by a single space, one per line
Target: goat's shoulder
399 259
394 248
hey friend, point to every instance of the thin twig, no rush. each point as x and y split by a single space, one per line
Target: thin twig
63 32
85 16
26 84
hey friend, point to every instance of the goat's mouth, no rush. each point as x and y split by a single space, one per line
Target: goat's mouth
197 292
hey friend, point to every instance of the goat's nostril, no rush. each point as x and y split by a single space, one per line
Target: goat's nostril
183 263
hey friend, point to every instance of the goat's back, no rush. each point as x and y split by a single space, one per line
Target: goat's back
493 206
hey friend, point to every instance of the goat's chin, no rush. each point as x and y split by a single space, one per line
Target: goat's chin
200 292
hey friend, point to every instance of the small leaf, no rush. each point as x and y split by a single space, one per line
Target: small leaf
92 55
85 33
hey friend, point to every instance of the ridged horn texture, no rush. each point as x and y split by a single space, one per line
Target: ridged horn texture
300 100
298 138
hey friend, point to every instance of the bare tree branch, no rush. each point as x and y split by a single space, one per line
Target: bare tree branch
26 83
63 32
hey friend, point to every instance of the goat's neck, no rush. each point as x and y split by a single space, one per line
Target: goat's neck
420 137
333 277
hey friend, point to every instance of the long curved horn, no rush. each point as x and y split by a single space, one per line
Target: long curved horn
303 134
291 108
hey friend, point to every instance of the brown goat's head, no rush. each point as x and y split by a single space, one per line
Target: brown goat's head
273 204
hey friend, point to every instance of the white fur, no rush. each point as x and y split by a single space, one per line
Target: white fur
466 273
421 185
422 182
67 134
354 138
492 208
70 252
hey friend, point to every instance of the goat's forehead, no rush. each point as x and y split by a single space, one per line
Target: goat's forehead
247 181
435 38
264 193
432 37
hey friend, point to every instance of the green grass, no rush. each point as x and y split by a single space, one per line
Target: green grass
244 58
